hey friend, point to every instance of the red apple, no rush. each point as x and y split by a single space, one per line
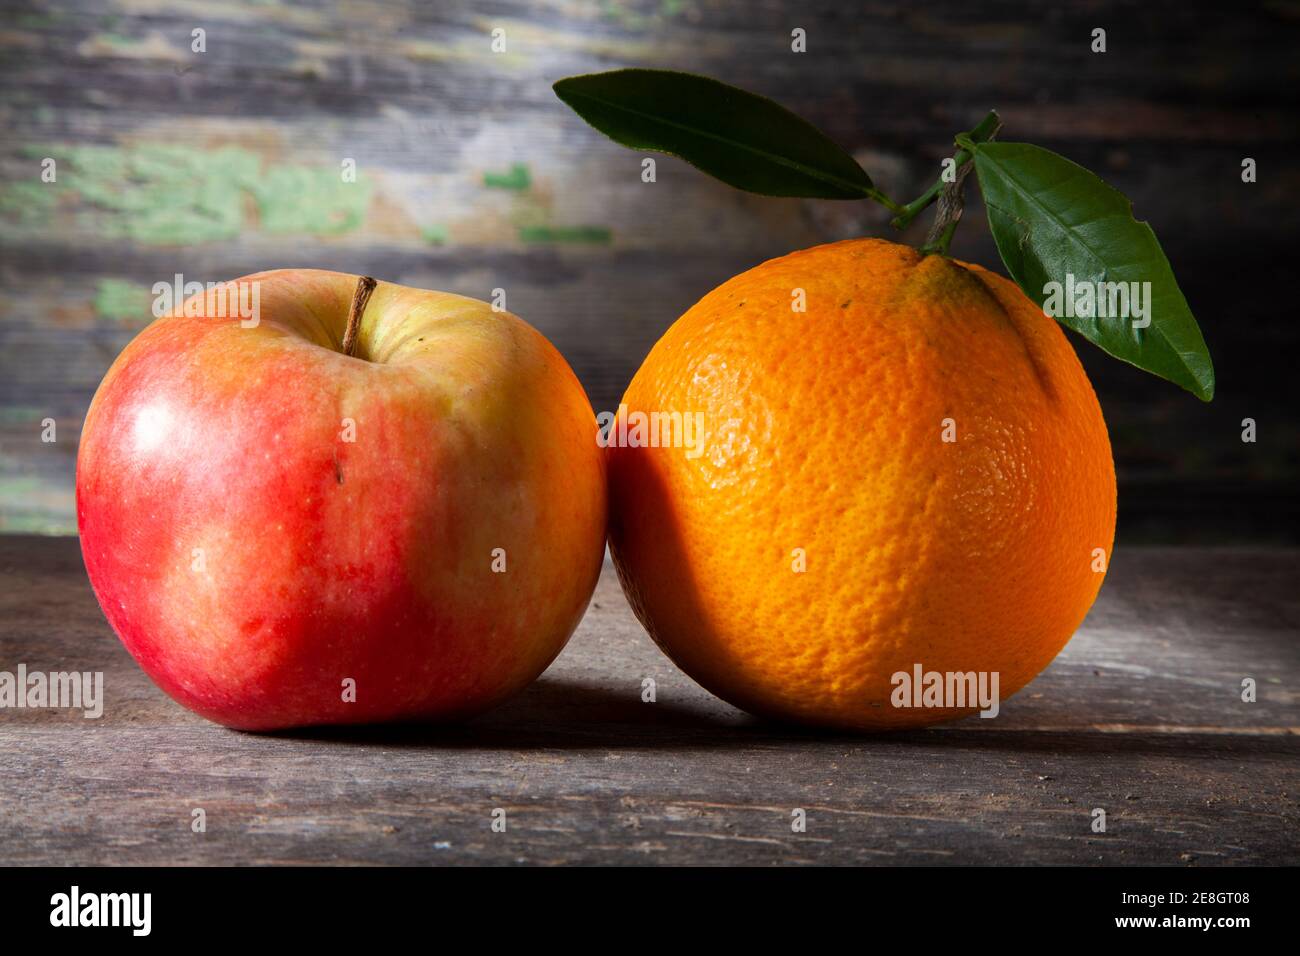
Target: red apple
285 534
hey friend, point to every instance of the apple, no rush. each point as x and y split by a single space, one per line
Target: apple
351 503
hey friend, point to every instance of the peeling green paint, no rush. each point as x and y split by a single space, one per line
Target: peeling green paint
552 234
37 20
21 414
166 194
118 300
642 17
517 179
28 201
310 199
118 40
623 15
29 505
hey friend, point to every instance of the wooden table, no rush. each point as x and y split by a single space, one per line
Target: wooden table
1141 716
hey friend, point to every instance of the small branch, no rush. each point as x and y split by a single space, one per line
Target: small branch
985 131
917 206
360 297
884 200
951 204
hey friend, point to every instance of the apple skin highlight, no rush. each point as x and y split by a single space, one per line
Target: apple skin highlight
253 561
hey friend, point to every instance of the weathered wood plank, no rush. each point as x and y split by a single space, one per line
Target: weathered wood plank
473 176
1141 715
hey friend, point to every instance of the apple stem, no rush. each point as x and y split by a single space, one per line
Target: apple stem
365 286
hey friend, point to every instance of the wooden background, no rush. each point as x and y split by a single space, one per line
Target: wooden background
473 176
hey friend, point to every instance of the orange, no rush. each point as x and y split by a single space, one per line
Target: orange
912 472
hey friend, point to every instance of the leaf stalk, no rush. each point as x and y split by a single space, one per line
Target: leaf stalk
985 131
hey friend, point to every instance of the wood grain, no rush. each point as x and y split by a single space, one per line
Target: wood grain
1141 716
472 176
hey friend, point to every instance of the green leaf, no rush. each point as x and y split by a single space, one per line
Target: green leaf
1051 218
745 140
